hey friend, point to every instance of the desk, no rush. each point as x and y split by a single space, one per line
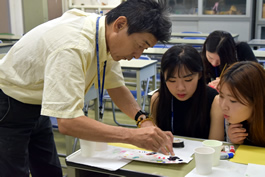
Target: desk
259 54
186 41
2 55
235 36
161 51
144 69
257 42
4 47
9 37
135 168
155 51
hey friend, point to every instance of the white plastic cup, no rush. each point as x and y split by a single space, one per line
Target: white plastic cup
87 148
217 145
101 146
204 160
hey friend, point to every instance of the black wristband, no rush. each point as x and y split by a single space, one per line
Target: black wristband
140 113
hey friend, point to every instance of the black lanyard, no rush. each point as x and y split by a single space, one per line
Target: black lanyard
172 115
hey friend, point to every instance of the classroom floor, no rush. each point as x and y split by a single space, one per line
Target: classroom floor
107 118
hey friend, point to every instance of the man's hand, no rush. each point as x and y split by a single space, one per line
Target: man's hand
154 139
236 133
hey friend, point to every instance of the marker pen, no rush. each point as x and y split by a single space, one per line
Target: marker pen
232 149
227 155
226 148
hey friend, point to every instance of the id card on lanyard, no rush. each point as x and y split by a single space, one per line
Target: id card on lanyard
100 88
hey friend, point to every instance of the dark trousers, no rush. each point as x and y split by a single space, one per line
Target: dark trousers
26 141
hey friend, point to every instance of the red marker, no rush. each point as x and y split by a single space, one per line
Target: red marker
232 149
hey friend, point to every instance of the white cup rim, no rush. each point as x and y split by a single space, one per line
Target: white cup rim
209 150
212 143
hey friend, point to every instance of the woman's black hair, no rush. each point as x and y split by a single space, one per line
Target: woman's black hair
176 58
222 43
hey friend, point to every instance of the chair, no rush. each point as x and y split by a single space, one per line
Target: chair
198 47
144 92
162 46
158 58
150 94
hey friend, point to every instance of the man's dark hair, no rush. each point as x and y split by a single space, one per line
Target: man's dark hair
144 16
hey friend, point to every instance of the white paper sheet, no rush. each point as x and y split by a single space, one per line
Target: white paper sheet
153 157
225 169
189 146
109 159
183 154
112 160
254 170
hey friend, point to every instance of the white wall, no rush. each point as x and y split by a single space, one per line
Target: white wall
16 17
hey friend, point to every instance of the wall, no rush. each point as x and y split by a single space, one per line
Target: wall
54 9
4 17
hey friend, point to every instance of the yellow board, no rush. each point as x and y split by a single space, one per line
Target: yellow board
129 146
249 154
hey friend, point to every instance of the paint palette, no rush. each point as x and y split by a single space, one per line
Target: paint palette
153 157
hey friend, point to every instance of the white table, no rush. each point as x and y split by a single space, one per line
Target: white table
9 37
235 36
4 47
144 69
186 41
155 51
257 42
259 54
161 51
2 55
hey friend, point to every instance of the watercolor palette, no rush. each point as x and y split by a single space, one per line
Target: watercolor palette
153 157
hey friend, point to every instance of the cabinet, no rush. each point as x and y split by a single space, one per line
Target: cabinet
260 20
93 6
234 16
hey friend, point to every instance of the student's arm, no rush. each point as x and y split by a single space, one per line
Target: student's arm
153 106
217 121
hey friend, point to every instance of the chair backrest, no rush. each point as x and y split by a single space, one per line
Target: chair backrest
162 46
198 47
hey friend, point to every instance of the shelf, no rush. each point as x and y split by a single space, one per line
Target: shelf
213 8
94 4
